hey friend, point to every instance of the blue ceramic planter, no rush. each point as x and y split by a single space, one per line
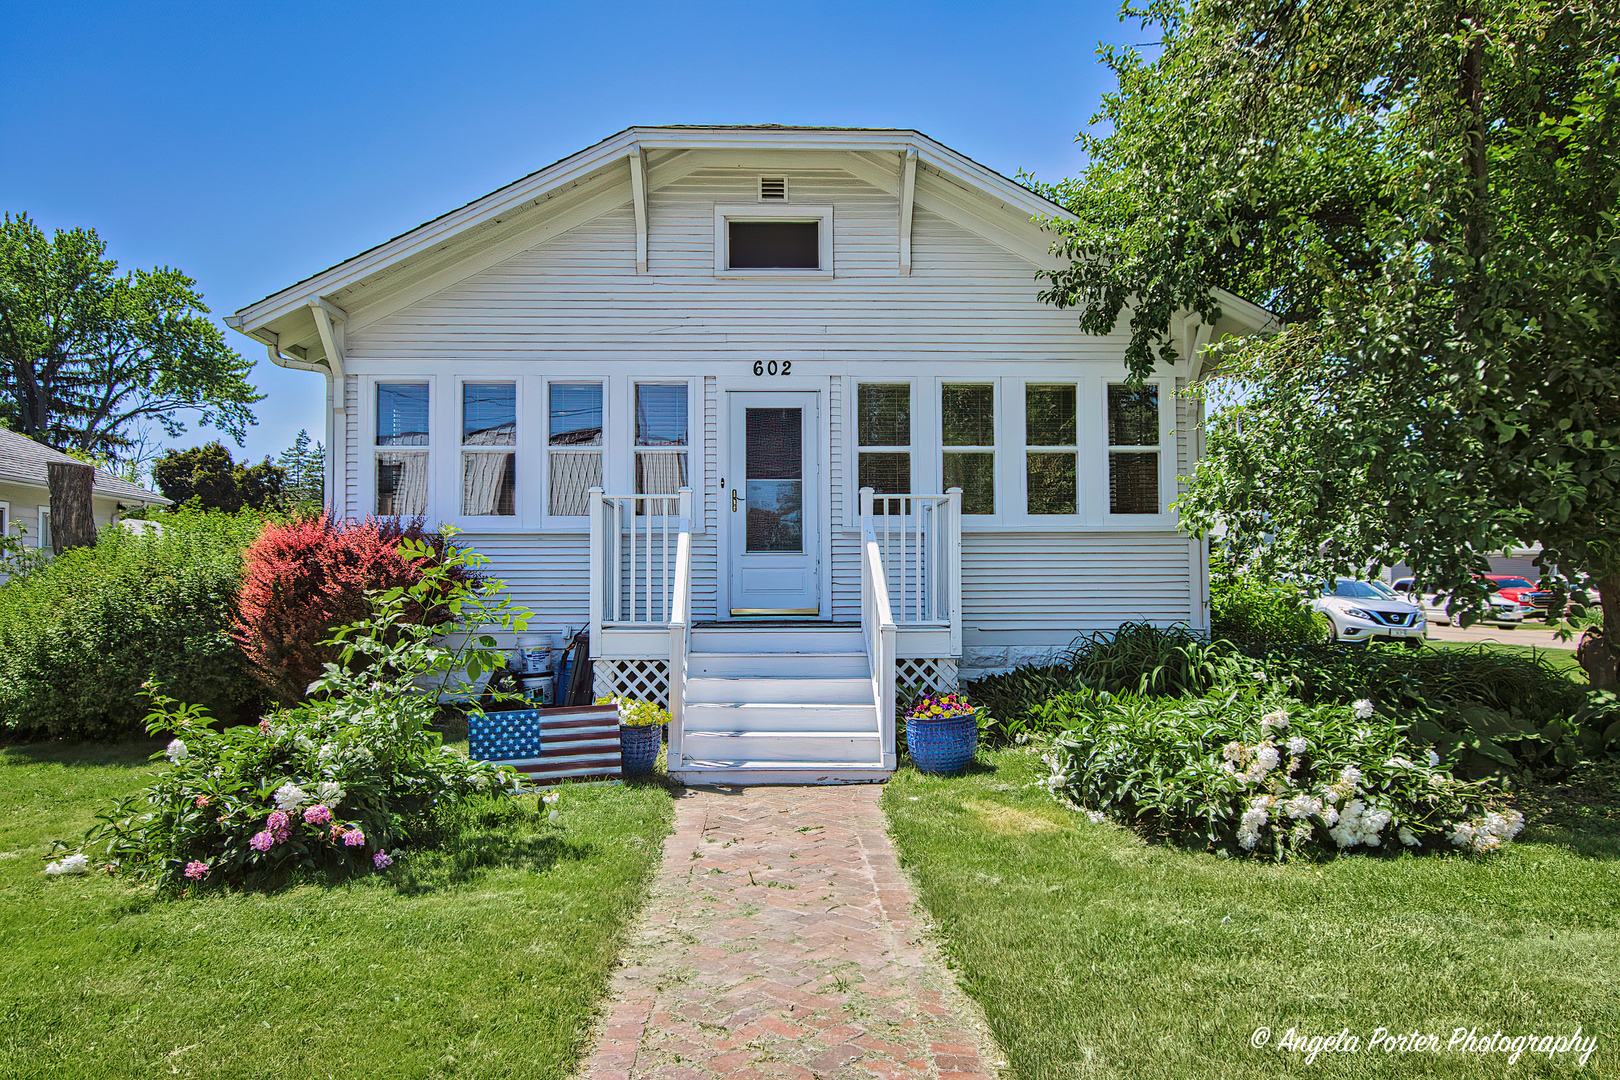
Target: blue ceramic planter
942 747
638 748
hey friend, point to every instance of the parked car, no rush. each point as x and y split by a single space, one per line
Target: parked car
1364 610
1502 609
1520 590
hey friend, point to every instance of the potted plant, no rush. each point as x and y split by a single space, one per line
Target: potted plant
641 730
942 732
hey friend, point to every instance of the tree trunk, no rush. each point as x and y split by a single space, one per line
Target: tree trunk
73 523
1597 651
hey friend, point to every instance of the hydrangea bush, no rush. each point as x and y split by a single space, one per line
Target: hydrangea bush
1262 775
336 785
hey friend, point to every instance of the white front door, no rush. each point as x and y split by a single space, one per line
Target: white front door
772 502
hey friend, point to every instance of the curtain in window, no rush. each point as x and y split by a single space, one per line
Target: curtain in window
488 485
402 484
573 474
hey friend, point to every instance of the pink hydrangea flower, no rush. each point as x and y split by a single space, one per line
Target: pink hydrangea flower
277 821
382 860
317 815
264 726
195 870
262 841
354 838
337 831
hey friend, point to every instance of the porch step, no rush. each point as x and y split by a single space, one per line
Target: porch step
744 690
744 665
828 748
788 717
778 772
741 638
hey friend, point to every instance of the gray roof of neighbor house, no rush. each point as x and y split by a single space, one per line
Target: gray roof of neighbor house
23 461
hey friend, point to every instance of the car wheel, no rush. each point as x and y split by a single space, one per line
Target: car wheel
1333 633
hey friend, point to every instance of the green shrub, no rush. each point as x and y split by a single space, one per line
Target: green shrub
80 635
1252 612
1255 773
334 786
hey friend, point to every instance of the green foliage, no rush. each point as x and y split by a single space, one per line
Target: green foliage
79 636
634 712
207 478
1253 613
1251 772
1425 196
87 355
333 785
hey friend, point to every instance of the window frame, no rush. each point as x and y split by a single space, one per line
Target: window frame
772 211
998 464
458 405
693 406
5 518
39 539
852 423
550 522
368 440
1077 448
1168 451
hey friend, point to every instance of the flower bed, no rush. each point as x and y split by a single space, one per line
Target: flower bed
1266 776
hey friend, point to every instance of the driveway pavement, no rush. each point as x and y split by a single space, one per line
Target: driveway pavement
1528 634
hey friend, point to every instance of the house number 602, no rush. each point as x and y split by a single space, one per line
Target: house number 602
771 367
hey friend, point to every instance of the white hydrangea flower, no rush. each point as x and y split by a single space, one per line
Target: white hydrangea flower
1266 758
304 743
1398 762
73 864
1330 815
1094 816
1232 750
1362 709
1278 720
1248 833
1434 758
177 751
1488 833
329 792
1408 837
289 797
1350 776
1298 744
1228 768
326 752
1302 806
550 797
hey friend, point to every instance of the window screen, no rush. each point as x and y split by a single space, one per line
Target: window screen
774 245
883 437
968 427
402 414
775 479
574 445
1133 460
489 414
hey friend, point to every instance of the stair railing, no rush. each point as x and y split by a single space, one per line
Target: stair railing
877 627
680 631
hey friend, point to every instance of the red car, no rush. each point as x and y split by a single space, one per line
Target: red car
1519 590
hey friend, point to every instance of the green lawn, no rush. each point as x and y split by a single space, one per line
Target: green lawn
483 959
1561 659
1095 954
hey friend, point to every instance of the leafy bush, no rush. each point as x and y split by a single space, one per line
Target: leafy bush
1247 772
306 576
334 786
633 712
80 635
1252 612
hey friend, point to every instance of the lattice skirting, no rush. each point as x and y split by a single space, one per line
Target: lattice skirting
923 675
643 680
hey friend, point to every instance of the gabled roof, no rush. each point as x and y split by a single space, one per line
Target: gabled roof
23 461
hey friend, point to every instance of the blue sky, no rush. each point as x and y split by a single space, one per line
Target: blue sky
252 144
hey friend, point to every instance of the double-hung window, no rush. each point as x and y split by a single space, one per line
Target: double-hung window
662 437
883 437
402 444
968 431
488 454
1052 455
1133 449
574 445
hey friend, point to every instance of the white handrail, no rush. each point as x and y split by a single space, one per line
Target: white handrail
633 552
680 632
877 627
916 533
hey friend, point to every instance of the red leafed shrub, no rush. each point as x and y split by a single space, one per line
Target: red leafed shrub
303 578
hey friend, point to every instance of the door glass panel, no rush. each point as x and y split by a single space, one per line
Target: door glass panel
775 479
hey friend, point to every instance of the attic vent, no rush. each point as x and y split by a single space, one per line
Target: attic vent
772 189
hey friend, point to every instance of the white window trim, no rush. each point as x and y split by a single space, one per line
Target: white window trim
852 440
1018 402
693 406
573 523
368 442
1000 469
39 530
514 522
1168 451
5 519
823 215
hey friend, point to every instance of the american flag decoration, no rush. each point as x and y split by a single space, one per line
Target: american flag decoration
549 744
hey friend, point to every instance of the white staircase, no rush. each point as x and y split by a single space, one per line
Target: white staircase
773 704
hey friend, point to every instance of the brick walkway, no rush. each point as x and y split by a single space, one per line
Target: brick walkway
780 942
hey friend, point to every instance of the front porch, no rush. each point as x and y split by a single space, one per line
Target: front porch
776 697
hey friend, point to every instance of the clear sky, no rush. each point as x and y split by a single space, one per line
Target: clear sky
253 144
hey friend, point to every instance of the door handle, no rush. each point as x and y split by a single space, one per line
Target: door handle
734 500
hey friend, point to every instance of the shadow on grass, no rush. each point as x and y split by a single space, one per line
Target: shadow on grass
1582 813
131 753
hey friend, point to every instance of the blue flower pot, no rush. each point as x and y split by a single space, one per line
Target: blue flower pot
638 748
942 747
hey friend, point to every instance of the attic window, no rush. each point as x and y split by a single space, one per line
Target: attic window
774 245
773 189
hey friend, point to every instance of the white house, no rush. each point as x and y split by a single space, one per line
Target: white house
655 380
25 494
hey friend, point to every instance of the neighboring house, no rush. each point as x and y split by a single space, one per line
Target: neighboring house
736 330
25 495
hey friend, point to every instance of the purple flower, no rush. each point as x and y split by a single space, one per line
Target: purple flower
354 838
195 870
317 815
382 860
262 841
277 822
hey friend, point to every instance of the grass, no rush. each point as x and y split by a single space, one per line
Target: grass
483 958
1561 659
1095 954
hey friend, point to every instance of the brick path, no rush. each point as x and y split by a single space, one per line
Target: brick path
780 942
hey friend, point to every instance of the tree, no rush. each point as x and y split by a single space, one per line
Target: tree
1425 196
208 475
87 354
306 473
